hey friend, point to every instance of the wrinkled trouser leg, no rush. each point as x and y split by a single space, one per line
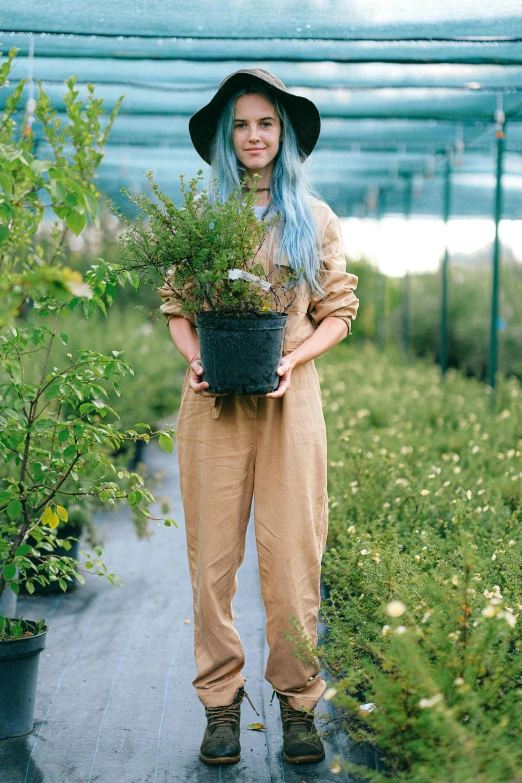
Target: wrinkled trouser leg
228 448
291 520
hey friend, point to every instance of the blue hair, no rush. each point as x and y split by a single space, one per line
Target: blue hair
289 188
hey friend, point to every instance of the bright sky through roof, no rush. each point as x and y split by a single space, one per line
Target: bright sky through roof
418 244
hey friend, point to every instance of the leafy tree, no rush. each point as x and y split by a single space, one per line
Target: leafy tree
56 440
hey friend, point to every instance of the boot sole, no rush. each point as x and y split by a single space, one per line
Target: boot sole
223 760
303 759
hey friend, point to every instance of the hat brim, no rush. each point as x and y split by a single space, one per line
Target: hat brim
303 114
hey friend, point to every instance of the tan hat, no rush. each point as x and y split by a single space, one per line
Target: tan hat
303 113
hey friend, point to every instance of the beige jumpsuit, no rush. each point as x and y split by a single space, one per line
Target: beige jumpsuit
236 447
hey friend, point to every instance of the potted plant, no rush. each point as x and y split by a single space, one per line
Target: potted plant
205 252
21 642
56 443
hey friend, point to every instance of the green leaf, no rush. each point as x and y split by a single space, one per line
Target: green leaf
63 435
4 233
29 587
70 451
166 443
91 203
22 550
6 182
64 338
76 221
14 509
39 166
10 571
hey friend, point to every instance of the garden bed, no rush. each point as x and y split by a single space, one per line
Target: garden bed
423 566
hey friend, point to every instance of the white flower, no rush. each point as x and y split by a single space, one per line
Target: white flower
425 492
329 693
365 551
431 701
385 630
336 768
468 494
395 609
455 580
489 611
350 529
400 629
426 617
370 707
459 681
494 556
80 289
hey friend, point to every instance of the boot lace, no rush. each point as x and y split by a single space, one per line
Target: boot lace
228 715
296 717
222 716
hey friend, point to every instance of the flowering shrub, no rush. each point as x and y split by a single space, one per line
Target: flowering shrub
423 567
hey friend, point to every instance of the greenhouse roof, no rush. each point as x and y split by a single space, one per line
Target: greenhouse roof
295 19
399 88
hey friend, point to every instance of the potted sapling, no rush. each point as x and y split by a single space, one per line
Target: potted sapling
204 253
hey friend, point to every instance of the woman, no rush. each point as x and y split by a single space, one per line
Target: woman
272 447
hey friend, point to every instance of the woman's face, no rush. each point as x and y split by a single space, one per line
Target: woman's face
257 133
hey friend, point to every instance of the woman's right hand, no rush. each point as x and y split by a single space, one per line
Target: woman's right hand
195 384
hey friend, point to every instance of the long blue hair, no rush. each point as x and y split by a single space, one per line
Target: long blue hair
289 188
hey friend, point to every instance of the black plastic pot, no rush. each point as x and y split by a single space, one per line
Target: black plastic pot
241 354
18 675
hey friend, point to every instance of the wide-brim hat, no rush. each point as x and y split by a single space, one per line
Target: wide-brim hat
303 114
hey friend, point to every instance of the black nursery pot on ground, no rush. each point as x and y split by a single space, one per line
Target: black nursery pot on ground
241 354
18 674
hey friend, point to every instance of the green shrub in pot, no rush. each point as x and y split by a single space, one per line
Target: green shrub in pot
51 460
205 253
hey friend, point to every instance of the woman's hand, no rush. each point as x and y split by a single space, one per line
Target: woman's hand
195 384
285 371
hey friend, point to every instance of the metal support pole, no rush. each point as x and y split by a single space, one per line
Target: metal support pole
406 279
380 309
493 332
443 348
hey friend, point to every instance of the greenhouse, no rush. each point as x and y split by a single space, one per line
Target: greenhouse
419 156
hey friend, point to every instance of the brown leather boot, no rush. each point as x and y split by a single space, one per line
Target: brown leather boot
221 739
301 742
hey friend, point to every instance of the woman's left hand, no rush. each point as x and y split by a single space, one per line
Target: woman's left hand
285 371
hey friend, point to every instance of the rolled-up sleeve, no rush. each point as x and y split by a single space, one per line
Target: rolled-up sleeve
338 285
171 306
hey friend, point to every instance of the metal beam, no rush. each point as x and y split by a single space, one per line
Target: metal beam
443 348
495 287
